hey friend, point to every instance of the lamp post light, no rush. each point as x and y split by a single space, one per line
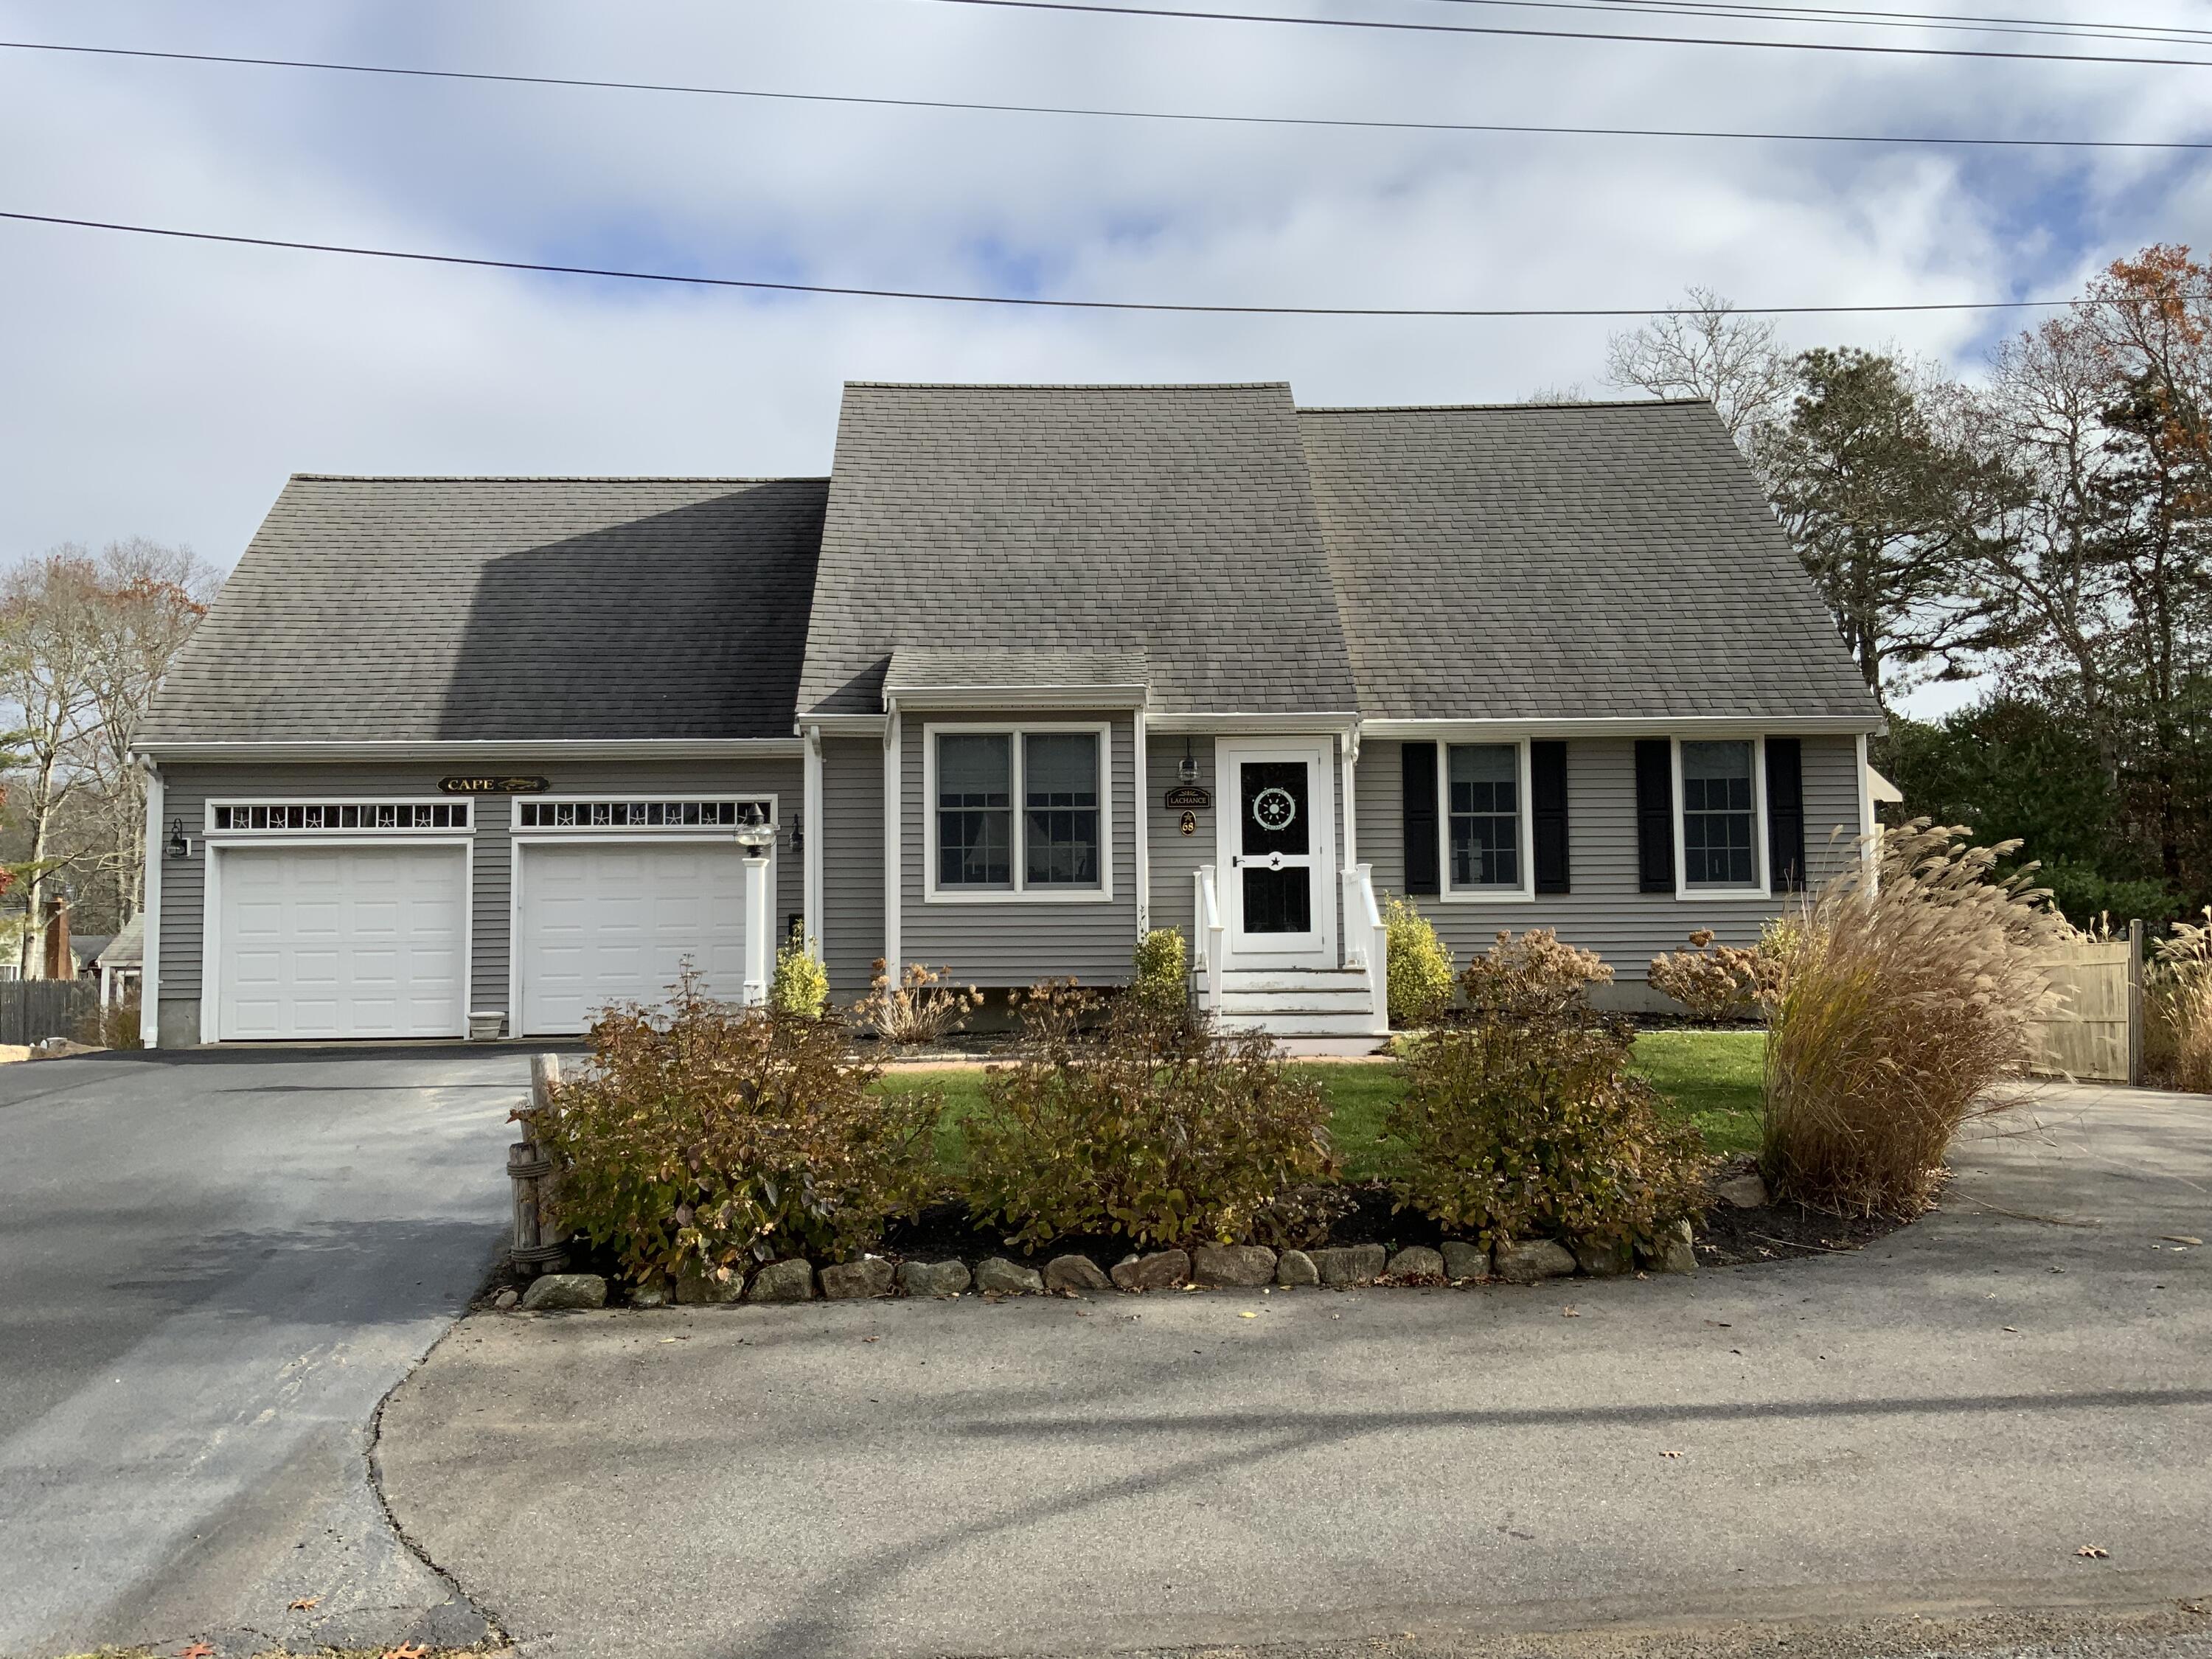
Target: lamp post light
755 836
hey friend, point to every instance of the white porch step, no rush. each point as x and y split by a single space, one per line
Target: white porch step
1350 1000
1292 979
1304 1022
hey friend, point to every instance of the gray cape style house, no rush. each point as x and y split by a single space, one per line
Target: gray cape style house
1035 670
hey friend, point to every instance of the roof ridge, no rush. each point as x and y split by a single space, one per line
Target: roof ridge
556 477
1453 408
1067 385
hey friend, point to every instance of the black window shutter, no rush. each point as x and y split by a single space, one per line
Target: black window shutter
1547 788
1422 842
1655 815
1785 814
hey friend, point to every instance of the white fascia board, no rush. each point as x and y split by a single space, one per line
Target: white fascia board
934 697
1839 726
847 726
643 749
1321 722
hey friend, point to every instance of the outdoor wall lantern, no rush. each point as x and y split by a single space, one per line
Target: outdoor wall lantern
179 846
756 833
797 837
1189 770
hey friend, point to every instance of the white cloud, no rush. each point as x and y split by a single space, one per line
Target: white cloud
165 389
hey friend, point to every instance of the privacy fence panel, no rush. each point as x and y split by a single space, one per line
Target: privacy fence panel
33 1009
2096 1032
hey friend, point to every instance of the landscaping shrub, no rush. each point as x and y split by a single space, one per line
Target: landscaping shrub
1534 976
2178 1007
801 983
1162 979
1420 968
1905 994
1163 1130
1521 1120
701 1137
112 1025
921 1007
1712 981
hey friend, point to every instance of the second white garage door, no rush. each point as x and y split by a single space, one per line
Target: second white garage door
599 924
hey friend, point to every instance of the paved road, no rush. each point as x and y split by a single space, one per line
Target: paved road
1939 1422
212 1268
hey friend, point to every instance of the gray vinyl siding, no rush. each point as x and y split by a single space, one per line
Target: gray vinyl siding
1009 943
187 790
1174 854
1605 913
852 831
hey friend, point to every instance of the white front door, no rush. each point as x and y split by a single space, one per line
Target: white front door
340 942
1277 849
615 921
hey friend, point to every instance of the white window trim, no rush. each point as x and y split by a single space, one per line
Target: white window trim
371 837
1760 878
767 799
1018 893
1524 828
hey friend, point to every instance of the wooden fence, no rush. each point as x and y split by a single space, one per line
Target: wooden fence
2096 1032
32 1009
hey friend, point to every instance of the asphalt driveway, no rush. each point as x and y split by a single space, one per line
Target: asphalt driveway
1937 1423
212 1268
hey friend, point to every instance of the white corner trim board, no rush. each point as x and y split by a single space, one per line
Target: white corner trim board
149 972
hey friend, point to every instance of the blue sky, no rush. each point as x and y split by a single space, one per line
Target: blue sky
167 390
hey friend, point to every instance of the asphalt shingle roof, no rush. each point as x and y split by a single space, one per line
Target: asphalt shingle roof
1176 520
459 609
1530 561
935 668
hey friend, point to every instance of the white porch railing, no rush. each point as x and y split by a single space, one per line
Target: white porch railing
1211 945
1366 941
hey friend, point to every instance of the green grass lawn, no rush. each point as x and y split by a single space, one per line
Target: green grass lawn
1710 1079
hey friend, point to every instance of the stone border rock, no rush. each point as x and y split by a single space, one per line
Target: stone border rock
1209 1267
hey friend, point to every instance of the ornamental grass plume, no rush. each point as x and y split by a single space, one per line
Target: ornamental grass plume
1905 994
2179 999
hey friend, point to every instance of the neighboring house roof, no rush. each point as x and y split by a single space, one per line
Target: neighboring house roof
128 948
1172 519
1569 560
87 947
1117 677
460 609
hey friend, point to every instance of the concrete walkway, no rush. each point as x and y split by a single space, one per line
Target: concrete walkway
216 1266
1941 1421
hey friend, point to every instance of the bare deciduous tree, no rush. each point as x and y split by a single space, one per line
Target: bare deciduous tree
1706 348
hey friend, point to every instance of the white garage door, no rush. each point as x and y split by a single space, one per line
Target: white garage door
341 942
615 922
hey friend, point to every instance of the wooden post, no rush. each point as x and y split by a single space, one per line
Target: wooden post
2135 1002
536 1249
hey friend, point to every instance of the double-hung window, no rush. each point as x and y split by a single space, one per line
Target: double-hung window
1483 802
1019 812
1720 814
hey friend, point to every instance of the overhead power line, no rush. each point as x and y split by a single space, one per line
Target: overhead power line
1088 7
1772 11
946 297
1109 113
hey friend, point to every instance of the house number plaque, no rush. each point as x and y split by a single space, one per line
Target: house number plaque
494 786
1189 823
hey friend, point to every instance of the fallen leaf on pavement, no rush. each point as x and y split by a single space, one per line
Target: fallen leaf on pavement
2091 1552
197 1650
1718 1324
305 1604
872 1339
1248 1315
1570 1313
2180 1238
1668 1453
406 1651
2014 1329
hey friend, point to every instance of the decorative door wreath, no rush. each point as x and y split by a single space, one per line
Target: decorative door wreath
1275 810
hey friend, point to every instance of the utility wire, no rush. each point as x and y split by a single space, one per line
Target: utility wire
1026 301
1087 7
1960 22
1110 113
